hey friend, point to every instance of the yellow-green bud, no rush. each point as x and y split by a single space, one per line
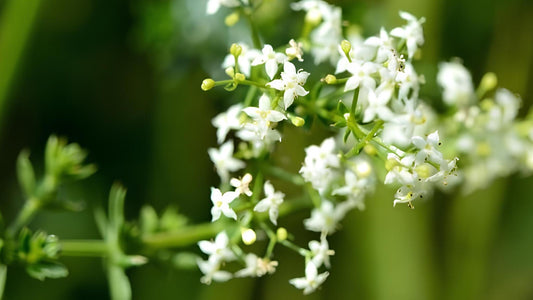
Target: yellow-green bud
240 77
313 17
346 46
330 79
207 84
248 236
281 234
390 163
232 19
296 121
423 171
235 50
230 71
488 82
370 150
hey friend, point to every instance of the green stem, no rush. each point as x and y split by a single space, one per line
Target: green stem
25 215
184 237
16 25
3 276
282 174
292 246
253 29
90 248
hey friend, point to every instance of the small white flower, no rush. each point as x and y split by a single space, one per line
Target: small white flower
377 107
427 148
412 33
256 266
211 271
242 185
226 121
354 189
224 160
271 203
312 279
294 50
271 59
221 204
291 82
244 61
218 250
214 5
325 219
264 115
456 82
320 252
361 75
383 43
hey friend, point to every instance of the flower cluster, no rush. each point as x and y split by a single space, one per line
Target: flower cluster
384 133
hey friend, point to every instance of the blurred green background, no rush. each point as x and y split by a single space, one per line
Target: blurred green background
122 79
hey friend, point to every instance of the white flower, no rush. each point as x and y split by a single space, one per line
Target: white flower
412 33
408 80
244 61
271 59
294 50
312 279
218 250
214 5
355 189
377 107
325 218
256 266
226 121
318 165
427 148
221 204
456 81
271 203
383 43
264 115
242 185
361 75
291 82
224 160
320 252
211 271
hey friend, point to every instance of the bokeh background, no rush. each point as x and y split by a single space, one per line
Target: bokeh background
122 79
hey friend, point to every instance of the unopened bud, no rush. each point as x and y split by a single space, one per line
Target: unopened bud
330 79
281 234
235 50
313 17
296 121
232 19
390 163
346 47
248 236
230 71
488 82
370 150
240 77
207 84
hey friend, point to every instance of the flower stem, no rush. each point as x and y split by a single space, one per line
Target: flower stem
30 208
88 248
184 237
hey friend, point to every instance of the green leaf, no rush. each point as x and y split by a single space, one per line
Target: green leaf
117 196
346 135
341 108
148 220
118 283
43 270
25 174
172 220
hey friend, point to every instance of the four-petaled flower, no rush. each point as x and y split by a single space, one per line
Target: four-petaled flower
271 59
242 185
291 82
221 204
312 279
224 160
264 115
271 202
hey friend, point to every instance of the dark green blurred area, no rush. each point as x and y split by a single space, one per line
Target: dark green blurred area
122 79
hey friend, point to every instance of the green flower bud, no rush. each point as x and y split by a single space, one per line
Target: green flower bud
240 77
207 84
296 121
281 234
232 19
235 50
330 79
346 46
248 236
